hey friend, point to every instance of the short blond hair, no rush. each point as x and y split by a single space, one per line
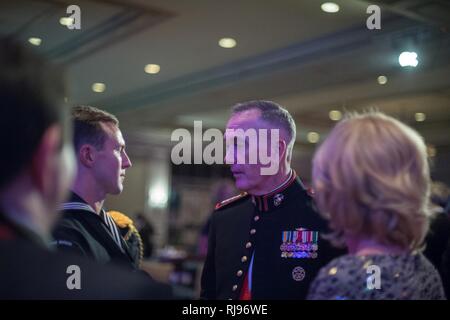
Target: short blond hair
372 180
87 125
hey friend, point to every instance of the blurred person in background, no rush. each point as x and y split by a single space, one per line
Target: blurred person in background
221 191
438 238
372 181
147 231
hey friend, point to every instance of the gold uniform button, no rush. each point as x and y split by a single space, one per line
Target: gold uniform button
253 231
256 218
239 273
235 287
244 259
248 245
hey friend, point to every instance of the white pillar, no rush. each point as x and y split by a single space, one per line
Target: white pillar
157 193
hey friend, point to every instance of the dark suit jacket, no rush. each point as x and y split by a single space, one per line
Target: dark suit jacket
85 233
28 270
437 248
250 225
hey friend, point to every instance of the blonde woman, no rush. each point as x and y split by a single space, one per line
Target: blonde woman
371 180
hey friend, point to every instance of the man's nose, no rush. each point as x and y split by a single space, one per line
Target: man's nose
126 163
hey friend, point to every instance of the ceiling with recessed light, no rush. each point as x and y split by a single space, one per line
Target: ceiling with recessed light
161 64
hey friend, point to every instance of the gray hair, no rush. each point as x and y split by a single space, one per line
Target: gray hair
272 113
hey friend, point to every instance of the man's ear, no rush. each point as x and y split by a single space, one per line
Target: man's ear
282 148
45 157
86 155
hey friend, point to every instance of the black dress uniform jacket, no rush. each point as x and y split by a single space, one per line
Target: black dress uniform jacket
85 233
29 270
259 225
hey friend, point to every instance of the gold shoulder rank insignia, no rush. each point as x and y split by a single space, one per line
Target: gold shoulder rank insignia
230 200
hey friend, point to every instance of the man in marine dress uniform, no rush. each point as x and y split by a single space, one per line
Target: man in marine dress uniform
266 242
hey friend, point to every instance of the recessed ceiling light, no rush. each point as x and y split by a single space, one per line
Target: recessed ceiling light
382 80
420 116
335 115
330 7
313 137
98 87
152 68
408 59
35 41
227 43
66 21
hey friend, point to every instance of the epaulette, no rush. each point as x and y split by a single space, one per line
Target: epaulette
231 200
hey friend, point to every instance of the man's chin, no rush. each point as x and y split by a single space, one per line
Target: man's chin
241 185
117 191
